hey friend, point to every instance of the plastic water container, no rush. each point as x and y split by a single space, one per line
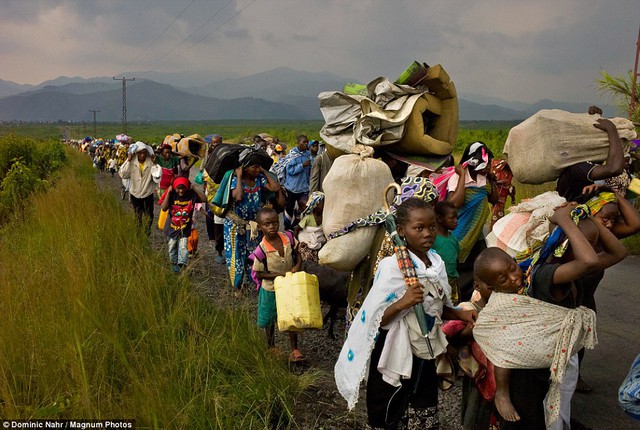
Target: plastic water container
298 302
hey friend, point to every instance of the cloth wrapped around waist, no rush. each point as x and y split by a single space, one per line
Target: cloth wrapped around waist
520 332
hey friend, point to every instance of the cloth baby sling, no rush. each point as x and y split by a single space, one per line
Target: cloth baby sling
516 331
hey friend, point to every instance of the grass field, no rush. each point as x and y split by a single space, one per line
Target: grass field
493 132
94 325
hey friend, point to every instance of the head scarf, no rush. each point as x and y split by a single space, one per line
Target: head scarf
314 200
596 203
180 180
477 156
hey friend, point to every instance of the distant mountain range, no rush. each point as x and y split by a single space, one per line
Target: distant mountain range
281 93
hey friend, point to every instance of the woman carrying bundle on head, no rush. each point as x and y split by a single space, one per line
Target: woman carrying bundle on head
249 182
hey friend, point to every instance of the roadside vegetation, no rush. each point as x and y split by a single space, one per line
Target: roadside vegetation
26 166
94 325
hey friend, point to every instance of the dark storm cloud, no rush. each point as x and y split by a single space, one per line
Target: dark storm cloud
506 48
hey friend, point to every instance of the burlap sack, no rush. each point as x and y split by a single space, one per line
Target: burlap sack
353 189
542 146
345 252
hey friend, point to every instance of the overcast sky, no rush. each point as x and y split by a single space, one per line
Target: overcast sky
522 50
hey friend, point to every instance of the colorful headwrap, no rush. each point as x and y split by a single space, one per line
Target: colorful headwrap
419 187
314 200
597 202
180 180
477 156
557 243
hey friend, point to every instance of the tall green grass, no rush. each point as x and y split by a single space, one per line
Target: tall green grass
94 326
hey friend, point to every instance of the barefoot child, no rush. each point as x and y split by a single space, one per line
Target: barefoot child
521 329
447 245
279 250
386 338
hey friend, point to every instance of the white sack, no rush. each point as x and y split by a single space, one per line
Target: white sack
542 146
353 188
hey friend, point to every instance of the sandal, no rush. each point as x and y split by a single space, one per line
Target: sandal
296 356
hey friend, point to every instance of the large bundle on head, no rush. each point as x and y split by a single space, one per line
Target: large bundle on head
353 188
527 224
542 146
418 114
228 156
193 146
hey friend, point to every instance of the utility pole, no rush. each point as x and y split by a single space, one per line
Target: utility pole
95 134
124 100
634 79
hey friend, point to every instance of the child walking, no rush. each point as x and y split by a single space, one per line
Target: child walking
180 201
447 245
279 251
386 337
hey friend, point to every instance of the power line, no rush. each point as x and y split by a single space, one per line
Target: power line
161 34
210 33
192 33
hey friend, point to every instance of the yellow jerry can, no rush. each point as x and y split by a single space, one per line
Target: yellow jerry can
298 301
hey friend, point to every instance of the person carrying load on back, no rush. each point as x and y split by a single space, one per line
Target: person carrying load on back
574 178
248 184
297 166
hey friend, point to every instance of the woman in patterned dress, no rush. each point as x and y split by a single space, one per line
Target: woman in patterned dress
247 187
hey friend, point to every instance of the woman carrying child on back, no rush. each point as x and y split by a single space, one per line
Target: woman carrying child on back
386 338
512 335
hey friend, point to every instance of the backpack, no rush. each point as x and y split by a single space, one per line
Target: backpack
260 255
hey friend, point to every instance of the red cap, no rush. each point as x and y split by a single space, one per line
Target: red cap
181 180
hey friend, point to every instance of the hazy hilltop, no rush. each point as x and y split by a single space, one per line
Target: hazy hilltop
281 93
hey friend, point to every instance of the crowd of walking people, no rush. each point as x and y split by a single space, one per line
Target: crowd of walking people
414 330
